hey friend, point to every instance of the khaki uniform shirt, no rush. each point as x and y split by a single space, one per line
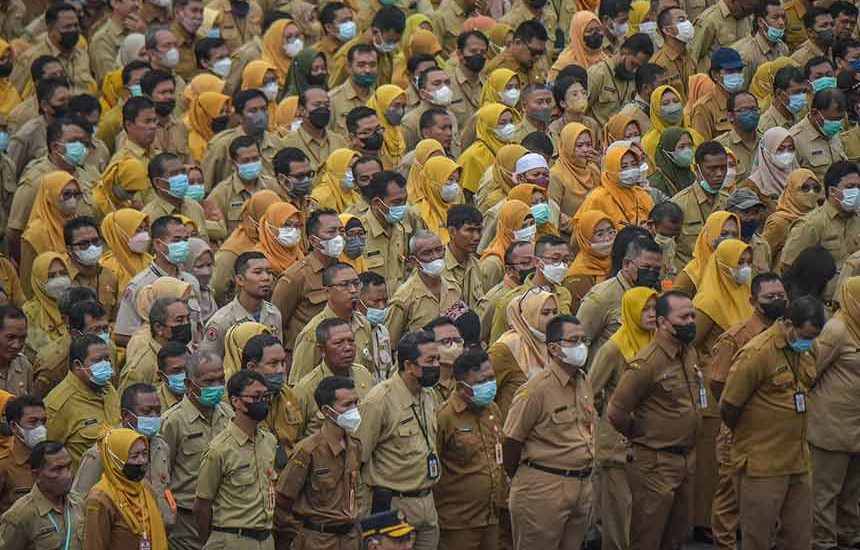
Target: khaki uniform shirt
467 276
730 342
833 407
312 418
337 69
171 136
166 396
710 114
412 132
306 353
397 432
28 143
770 437
795 30
679 67
328 46
299 294
813 150
188 433
159 206
322 477
77 414
716 27
233 314
413 305
231 194
187 66
133 150
16 477
600 310
606 93
17 378
807 51
343 99
104 46
387 247
234 30
773 118
851 143
285 420
237 475
660 389
142 367
471 488
127 318
553 417
762 258
448 22
756 50
30 523
697 205
467 96
606 370
535 75
317 150
157 475
744 152
217 165
501 323
76 65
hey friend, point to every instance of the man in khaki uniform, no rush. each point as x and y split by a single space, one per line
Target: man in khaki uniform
338 27
235 499
673 55
337 345
362 64
171 373
698 202
140 124
820 35
235 29
312 137
16 372
85 401
299 293
765 44
383 36
749 208
662 378
398 436
464 227
743 137
611 83
187 19
373 300
253 283
165 169
188 428
709 115
124 18
26 419
833 225
549 445
789 99
33 522
466 75
171 134
434 91
469 440
769 300
450 348
29 141
342 286
526 56
816 137
764 403
719 25
141 412
448 19
320 483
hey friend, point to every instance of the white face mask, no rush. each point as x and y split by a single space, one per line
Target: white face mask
526 234
56 286
271 90
510 97
784 160
442 96
506 132
293 47
433 268
450 191
619 30
140 242
90 255
349 420
554 272
575 356
170 58
630 177
685 31
850 199
742 275
34 436
648 27
333 247
222 67
288 236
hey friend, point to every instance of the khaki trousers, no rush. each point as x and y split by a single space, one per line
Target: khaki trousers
311 540
661 484
548 511
836 494
768 501
706 470
725 518
478 538
614 504
182 535
228 541
420 512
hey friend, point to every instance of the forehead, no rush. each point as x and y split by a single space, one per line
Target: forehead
445 331
338 332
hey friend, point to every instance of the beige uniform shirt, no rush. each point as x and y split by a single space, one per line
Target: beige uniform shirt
187 66
17 378
744 152
600 310
807 51
30 523
605 372
343 99
171 136
606 92
141 367
756 50
299 294
534 75
448 23
813 150
710 114
104 46
679 67
715 28
317 150
234 30
231 194
467 96
127 318
795 31
773 118
413 305
392 432
306 353
160 206
233 314
76 65
387 247
312 418
188 433
217 165
697 205
410 126
467 276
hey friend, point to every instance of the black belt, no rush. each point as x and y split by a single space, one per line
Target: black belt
256 534
331 528
410 494
676 450
580 474
182 510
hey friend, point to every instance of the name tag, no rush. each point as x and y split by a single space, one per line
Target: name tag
241 467
800 402
370 253
194 436
90 421
465 429
817 152
237 204
321 471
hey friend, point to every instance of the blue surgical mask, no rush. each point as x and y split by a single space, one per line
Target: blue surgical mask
346 31
831 127
348 181
395 214
76 153
105 336
211 395
541 213
176 382
748 120
823 83
801 345
796 102
376 315
733 82
4 141
855 65
178 185
135 90
148 425
177 253
774 34
484 393
101 373
196 192
250 171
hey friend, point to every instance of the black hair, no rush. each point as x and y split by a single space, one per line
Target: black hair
531 30
733 97
562 85
639 43
371 278
548 240
424 75
441 321
463 37
409 344
787 76
158 312
555 327
312 226
271 17
45 88
54 133
330 272
170 350
469 361
84 104
511 249
827 98
129 395
461 214
242 97
303 99
761 6
417 59
538 142
664 17
837 171
364 159
254 348
133 66
378 186
287 155
156 168
15 406
153 78
38 65
806 309
840 7
389 18
241 142
241 380
42 450
74 224
469 325
133 107
666 211
80 347
159 228
647 75
812 14
52 14
574 71
203 48
810 272
360 49
814 62
73 295
78 312
709 148
355 114
324 328
611 8
329 12
428 117
663 307
326 392
240 265
761 279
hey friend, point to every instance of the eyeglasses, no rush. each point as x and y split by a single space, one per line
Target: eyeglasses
309 175
604 234
348 285
66 195
86 244
257 398
450 341
576 341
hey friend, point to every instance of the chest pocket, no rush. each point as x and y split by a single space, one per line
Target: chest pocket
317 296
608 95
234 211
323 485
466 445
243 475
566 416
90 432
374 259
409 437
783 380
194 444
819 156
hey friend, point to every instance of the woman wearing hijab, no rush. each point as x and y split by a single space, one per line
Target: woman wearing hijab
200 264
803 192
424 151
440 189
500 35
208 116
586 44
126 234
520 353
273 50
516 223
56 203
163 287
204 82
761 84
719 226
418 38
309 68
121 510
574 174
496 183
9 96
673 159
667 110
281 236
243 239
774 162
260 75
287 123
234 342
389 102
117 186
49 279
336 185
355 236
545 213
495 127
502 86
619 195
621 127
594 237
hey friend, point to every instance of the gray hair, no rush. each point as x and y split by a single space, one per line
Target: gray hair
151 36
158 312
419 236
199 358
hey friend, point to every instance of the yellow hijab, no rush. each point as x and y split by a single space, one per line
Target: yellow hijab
495 85
128 173
133 499
423 152
578 175
163 287
45 228
286 114
577 53
42 310
638 12
704 246
480 155
512 215
525 192
245 237
279 256
630 336
622 205
329 191
204 109
204 82
252 78
506 162
9 96
615 127
394 144
117 228
523 312
497 34
431 207
358 264
273 49
586 261
651 140
234 342
761 85
791 204
718 295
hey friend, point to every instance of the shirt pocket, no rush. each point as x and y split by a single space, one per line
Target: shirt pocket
374 259
243 476
782 380
193 445
234 211
317 296
819 156
466 446
323 485
608 95
409 438
563 417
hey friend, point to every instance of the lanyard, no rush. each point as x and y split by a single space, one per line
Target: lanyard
421 425
67 526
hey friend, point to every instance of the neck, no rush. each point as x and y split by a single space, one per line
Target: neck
433 283
572 117
539 125
85 269
250 186
470 75
164 120
344 313
446 372
244 423
675 45
362 92
161 341
251 304
60 163
313 130
166 266
412 384
205 411
325 259
340 371
458 253
58 500
539 279
746 136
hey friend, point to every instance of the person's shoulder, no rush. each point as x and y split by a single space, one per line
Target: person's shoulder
380 392
57 397
20 510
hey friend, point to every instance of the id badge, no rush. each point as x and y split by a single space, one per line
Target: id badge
432 466
144 543
800 402
499 454
703 397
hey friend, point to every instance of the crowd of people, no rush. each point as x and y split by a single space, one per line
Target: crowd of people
454 274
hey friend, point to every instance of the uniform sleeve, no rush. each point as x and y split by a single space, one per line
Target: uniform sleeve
590 315
222 276
211 162
702 39
721 357
602 371
828 344
303 355
395 321
509 376
801 235
744 377
169 433
286 298
89 472
209 476
97 526
372 424
57 427
524 414
633 387
295 474
13 534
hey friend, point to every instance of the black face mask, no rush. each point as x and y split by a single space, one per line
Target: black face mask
275 382
373 143
318 79
685 333
301 187
240 9
649 278
164 108
258 411
523 274
60 111
69 39
181 334
134 472
5 70
748 229
429 376
320 117
219 123
537 4
474 63
594 41
623 74
774 309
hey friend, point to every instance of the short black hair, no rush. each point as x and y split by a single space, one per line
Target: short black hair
666 211
548 240
11 311
78 223
271 17
663 307
461 214
841 47
329 12
839 170
81 105
620 246
761 6
80 347
53 12
733 97
242 97
562 85
810 272
312 226
241 142
531 30
463 37
812 14
240 265
428 117
159 228
409 344
469 361
827 98
326 392
203 48
611 8
816 61
378 186
574 71
555 327
78 312
129 395
241 380
153 78
389 18
360 49
287 155
512 248
664 16
355 114
762 279
133 107
538 142
156 167
330 272
37 67
840 7
254 348
15 406
42 450
303 93
45 88
364 159
158 312
441 321
806 309
73 295
639 43
647 75
324 328
133 66
709 148
787 76
417 59
54 132
371 278
170 350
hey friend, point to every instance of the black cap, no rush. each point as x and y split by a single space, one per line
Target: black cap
391 523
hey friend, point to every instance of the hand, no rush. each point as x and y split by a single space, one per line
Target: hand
211 210
134 23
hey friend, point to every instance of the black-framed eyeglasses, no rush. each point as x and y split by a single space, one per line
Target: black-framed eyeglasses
257 398
86 244
348 285
575 341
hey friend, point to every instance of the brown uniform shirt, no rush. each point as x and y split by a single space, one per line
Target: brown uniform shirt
17 378
679 67
743 150
772 118
300 295
312 418
467 276
606 92
16 477
770 437
105 527
30 523
217 165
234 30
606 370
716 27
813 150
343 99
697 206
756 50
413 305
307 354
316 149
387 247
710 114
600 310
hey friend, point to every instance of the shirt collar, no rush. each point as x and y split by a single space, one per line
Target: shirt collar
238 434
668 344
559 373
331 436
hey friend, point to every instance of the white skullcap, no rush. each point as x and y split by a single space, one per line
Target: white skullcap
530 161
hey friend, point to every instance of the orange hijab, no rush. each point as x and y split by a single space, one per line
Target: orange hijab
279 255
204 109
623 205
587 262
45 228
578 176
524 192
273 49
512 215
577 53
245 237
